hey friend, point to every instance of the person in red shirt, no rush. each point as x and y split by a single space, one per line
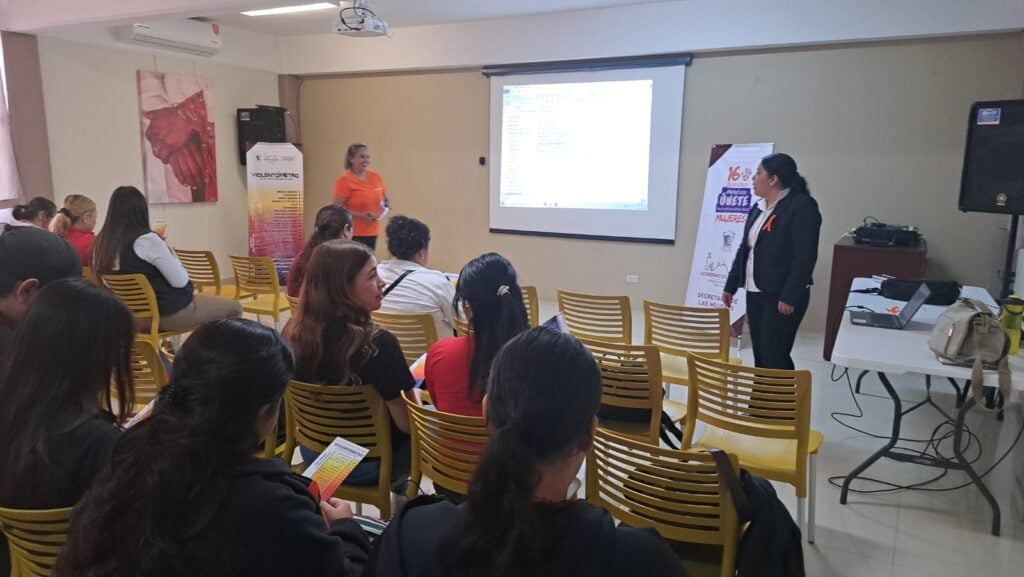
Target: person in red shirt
361 191
75 223
457 368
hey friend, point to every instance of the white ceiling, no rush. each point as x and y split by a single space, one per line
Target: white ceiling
402 13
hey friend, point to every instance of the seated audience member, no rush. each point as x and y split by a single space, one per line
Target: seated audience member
75 223
185 494
457 368
332 222
35 213
54 420
30 259
336 343
126 245
410 286
541 407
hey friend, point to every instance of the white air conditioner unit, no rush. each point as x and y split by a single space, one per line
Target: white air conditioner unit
191 36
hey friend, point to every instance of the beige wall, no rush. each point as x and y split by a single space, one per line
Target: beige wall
877 130
92 112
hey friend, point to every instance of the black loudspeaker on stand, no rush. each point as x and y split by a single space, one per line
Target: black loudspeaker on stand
260 124
993 176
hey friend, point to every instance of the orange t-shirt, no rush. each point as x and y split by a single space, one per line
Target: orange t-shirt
361 196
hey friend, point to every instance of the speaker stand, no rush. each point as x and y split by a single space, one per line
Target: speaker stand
1011 253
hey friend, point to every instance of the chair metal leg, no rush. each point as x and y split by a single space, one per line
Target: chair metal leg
359 508
800 502
812 484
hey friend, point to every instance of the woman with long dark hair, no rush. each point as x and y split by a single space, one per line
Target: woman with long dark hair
126 245
457 368
336 343
775 261
541 407
72 348
185 495
37 212
332 222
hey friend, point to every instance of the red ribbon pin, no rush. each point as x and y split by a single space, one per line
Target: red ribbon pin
768 225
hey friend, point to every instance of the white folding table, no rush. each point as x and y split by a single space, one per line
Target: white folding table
897 352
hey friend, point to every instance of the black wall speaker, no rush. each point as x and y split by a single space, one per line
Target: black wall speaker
260 124
993 177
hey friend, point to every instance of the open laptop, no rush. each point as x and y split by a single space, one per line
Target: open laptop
891 321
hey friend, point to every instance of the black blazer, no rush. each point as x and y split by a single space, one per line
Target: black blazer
786 249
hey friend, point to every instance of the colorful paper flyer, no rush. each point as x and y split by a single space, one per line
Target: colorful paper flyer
141 415
419 368
330 469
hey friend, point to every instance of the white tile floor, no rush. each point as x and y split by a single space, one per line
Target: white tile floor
905 533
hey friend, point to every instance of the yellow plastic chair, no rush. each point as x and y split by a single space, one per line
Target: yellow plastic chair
462 327
35 538
631 379
148 373
293 303
204 272
88 275
316 414
136 293
256 277
677 330
532 304
678 493
597 317
445 447
763 416
414 331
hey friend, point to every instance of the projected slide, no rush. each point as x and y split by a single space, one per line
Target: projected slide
583 145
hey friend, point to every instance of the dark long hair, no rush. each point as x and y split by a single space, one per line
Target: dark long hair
784 167
127 219
327 296
331 222
31 209
74 345
542 398
498 313
153 510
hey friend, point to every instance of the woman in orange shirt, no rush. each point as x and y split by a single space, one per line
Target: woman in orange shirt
362 193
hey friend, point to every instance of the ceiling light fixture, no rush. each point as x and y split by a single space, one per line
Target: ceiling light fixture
292 9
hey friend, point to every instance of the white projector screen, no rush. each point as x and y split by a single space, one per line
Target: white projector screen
587 154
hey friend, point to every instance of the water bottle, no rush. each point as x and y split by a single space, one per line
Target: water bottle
1013 307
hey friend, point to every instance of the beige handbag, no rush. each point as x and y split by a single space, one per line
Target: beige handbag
969 334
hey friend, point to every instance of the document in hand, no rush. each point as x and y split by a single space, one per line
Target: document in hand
418 369
141 415
330 469
557 323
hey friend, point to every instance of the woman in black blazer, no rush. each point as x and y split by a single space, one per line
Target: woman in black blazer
776 259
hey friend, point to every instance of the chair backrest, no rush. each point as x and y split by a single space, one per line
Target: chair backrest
678 493
255 275
630 378
147 372
36 538
445 447
532 304
462 327
597 317
293 303
676 330
319 413
202 268
766 403
414 331
88 275
137 294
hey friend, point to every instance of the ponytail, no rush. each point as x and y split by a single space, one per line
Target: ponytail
542 400
32 209
75 207
20 212
784 167
505 540
61 222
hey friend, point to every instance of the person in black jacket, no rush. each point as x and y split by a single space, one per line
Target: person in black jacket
184 494
776 259
541 406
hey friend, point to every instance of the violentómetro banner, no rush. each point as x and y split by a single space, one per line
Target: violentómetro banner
275 185
728 197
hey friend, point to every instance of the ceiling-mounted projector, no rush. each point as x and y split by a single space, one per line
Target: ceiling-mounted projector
360 21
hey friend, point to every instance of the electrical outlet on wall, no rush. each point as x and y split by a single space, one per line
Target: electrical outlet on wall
632 279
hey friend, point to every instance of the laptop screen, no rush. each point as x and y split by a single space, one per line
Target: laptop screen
915 302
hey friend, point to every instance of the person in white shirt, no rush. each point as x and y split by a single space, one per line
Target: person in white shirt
420 290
